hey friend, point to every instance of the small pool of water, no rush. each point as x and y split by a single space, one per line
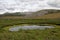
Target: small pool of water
29 27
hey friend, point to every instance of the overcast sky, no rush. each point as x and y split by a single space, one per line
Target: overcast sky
27 5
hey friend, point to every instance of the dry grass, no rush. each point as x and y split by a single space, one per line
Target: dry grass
49 16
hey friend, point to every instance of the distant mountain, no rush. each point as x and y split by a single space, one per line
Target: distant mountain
47 13
12 14
43 12
32 14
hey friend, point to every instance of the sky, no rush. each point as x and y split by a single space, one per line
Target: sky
27 5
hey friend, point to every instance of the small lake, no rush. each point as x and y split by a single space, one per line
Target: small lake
29 27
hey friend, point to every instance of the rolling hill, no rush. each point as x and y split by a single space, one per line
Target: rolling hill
43 14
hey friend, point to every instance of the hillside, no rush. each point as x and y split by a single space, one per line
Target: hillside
44 14
49 16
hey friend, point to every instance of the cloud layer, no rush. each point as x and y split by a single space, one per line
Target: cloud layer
27 5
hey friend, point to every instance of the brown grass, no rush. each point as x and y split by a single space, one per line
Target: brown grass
49 16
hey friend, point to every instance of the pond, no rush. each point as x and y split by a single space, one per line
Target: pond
29 27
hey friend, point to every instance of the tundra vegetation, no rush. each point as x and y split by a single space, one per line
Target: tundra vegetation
8 20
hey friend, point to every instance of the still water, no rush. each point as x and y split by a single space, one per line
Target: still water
29 27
